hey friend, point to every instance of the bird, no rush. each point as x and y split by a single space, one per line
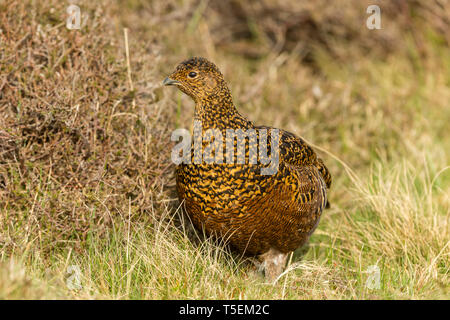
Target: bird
267 215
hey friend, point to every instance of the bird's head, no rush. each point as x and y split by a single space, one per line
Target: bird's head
198 78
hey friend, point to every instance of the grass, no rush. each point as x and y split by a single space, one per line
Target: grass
85 172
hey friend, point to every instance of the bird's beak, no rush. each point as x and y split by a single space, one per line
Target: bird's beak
169 82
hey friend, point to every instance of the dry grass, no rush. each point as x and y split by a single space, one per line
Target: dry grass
85 171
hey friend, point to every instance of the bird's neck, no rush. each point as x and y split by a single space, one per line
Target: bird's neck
217 111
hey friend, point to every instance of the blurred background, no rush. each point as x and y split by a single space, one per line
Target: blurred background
85 141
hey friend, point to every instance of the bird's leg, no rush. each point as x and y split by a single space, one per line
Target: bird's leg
273 262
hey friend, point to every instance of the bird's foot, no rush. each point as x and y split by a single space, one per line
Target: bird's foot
273 262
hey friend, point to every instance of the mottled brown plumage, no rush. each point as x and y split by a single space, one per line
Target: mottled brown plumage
264 215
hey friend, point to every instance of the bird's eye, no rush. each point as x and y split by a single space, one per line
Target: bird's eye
192 74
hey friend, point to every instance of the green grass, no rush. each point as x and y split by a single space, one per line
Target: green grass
93 184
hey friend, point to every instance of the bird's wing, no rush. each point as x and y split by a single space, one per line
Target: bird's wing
324 172
295 151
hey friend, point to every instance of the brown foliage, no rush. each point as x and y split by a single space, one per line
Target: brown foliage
70 138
